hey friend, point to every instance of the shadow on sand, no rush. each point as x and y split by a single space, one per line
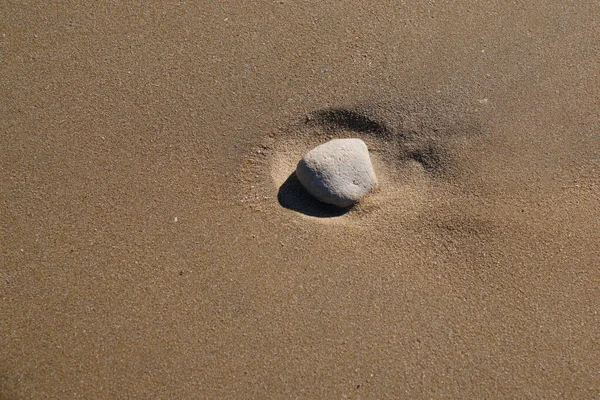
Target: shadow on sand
293 196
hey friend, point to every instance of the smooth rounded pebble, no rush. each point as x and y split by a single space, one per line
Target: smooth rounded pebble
338 172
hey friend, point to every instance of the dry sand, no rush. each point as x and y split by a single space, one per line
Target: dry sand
151 247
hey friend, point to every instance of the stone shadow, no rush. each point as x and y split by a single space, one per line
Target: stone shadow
293 196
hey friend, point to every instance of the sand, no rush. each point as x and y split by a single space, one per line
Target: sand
150 246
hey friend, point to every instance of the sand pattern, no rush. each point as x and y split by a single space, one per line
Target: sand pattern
154 242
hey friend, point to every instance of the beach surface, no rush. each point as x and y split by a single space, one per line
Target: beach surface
155 243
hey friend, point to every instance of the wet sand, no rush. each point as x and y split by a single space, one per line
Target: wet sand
154 242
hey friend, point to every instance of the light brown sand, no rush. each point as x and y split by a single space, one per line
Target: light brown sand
145 254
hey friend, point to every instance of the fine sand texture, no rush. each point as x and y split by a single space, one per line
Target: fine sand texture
155 242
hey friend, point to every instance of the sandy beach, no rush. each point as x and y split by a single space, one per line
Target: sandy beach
154 242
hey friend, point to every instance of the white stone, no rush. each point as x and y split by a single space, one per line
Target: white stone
338 172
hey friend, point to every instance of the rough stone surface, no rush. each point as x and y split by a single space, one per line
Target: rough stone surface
338 172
